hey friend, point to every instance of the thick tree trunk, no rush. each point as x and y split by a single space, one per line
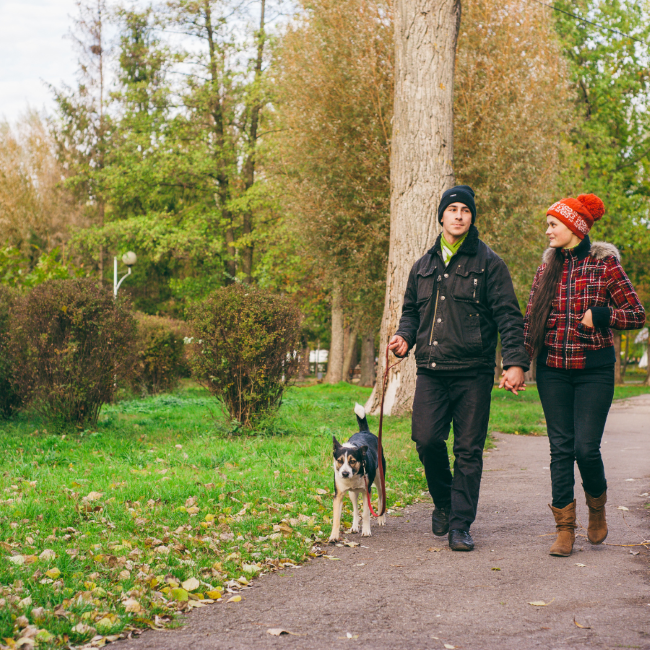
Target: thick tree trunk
350 349
367 377
335 359
421 163
618 374
303 368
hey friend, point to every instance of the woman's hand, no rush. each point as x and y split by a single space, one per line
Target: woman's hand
587 319
398 345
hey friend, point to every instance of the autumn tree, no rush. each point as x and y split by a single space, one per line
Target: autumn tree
334 99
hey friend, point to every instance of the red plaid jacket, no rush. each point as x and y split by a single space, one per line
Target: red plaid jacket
593 278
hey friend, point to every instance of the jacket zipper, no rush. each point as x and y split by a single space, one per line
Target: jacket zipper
435 311
568 309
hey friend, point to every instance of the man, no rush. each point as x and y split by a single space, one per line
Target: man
458 296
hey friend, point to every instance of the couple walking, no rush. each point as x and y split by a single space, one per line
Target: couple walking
459 296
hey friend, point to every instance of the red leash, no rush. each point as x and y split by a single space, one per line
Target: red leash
380 464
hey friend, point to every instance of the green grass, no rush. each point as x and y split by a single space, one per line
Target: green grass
164 472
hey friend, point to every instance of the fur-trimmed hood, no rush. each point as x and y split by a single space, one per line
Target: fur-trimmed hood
599 250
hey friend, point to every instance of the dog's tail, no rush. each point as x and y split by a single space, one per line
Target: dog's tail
361 417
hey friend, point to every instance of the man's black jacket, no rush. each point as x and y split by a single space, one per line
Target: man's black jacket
453 313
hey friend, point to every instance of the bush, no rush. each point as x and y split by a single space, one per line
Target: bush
70 342
160 355
244 349
9 398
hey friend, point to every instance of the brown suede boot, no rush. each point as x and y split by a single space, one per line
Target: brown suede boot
565 524
597 530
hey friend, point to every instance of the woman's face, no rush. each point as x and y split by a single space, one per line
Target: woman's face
559 236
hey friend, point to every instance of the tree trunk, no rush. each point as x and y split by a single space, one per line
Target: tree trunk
421 163
367 359
303 367
350 349
618 375
335 359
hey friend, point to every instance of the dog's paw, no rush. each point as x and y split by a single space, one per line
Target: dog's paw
381 521
366 532
333 539
354 529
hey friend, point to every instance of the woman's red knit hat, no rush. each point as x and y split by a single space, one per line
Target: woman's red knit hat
578 215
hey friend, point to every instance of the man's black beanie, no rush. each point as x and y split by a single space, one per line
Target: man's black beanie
461 194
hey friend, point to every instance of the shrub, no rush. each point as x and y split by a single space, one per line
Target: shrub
70 342
244 349
160 353
9 398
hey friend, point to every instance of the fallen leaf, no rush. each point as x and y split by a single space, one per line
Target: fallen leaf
448 646
83 629
582 627
578 564
321 491
214 594
19 560
433 549
634 552
541 603
25 602
496 568
191 584
279 631
250 568
132 605
53 573
180 595
93 496
623 508
43 636
234 599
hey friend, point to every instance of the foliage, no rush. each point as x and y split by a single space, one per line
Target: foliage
334 93
245 349
69 343
611 78
160 350
9 398
512 113
19 271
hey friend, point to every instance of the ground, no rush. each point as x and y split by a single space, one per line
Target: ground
403 587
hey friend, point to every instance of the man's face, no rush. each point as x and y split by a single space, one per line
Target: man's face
456 220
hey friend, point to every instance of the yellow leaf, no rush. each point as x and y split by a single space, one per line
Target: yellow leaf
214 594
191 584
53 573
541 603
234 599
209 518
180 594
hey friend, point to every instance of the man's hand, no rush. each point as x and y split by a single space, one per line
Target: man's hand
587 319
513 380
398 346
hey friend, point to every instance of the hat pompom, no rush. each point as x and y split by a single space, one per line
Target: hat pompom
594 204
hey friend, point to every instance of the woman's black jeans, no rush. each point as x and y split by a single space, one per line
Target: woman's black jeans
576 404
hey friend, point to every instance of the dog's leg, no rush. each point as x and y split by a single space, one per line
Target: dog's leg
381 521
365 528
336 517
354 497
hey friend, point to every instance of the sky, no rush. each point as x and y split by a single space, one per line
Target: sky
33 50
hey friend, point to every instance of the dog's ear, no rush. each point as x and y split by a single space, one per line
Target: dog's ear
337 444
363 450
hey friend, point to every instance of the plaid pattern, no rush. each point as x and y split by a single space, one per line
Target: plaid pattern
586 283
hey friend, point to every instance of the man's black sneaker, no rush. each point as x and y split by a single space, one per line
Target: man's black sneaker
460 540
440 521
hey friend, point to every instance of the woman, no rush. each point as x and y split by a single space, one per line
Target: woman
579 292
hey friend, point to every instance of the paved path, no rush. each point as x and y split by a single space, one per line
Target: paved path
398 593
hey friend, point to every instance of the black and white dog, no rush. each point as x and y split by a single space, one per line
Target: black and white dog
353 462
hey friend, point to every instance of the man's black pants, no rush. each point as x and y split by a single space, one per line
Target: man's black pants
576 404
438 401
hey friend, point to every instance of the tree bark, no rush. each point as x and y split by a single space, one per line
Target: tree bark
350 349
303 368
618 375
421 163
335 358
367 359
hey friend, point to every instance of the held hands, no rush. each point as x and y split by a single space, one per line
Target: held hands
513 380
587 319
398 346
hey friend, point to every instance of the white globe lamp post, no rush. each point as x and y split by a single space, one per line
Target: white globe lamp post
129 259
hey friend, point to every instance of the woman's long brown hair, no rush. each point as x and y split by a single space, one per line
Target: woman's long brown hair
543 299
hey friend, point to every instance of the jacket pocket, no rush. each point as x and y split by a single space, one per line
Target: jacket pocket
586 333
467 285
425 285
472 334
551 331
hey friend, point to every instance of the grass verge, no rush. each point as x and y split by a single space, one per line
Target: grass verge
159 510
